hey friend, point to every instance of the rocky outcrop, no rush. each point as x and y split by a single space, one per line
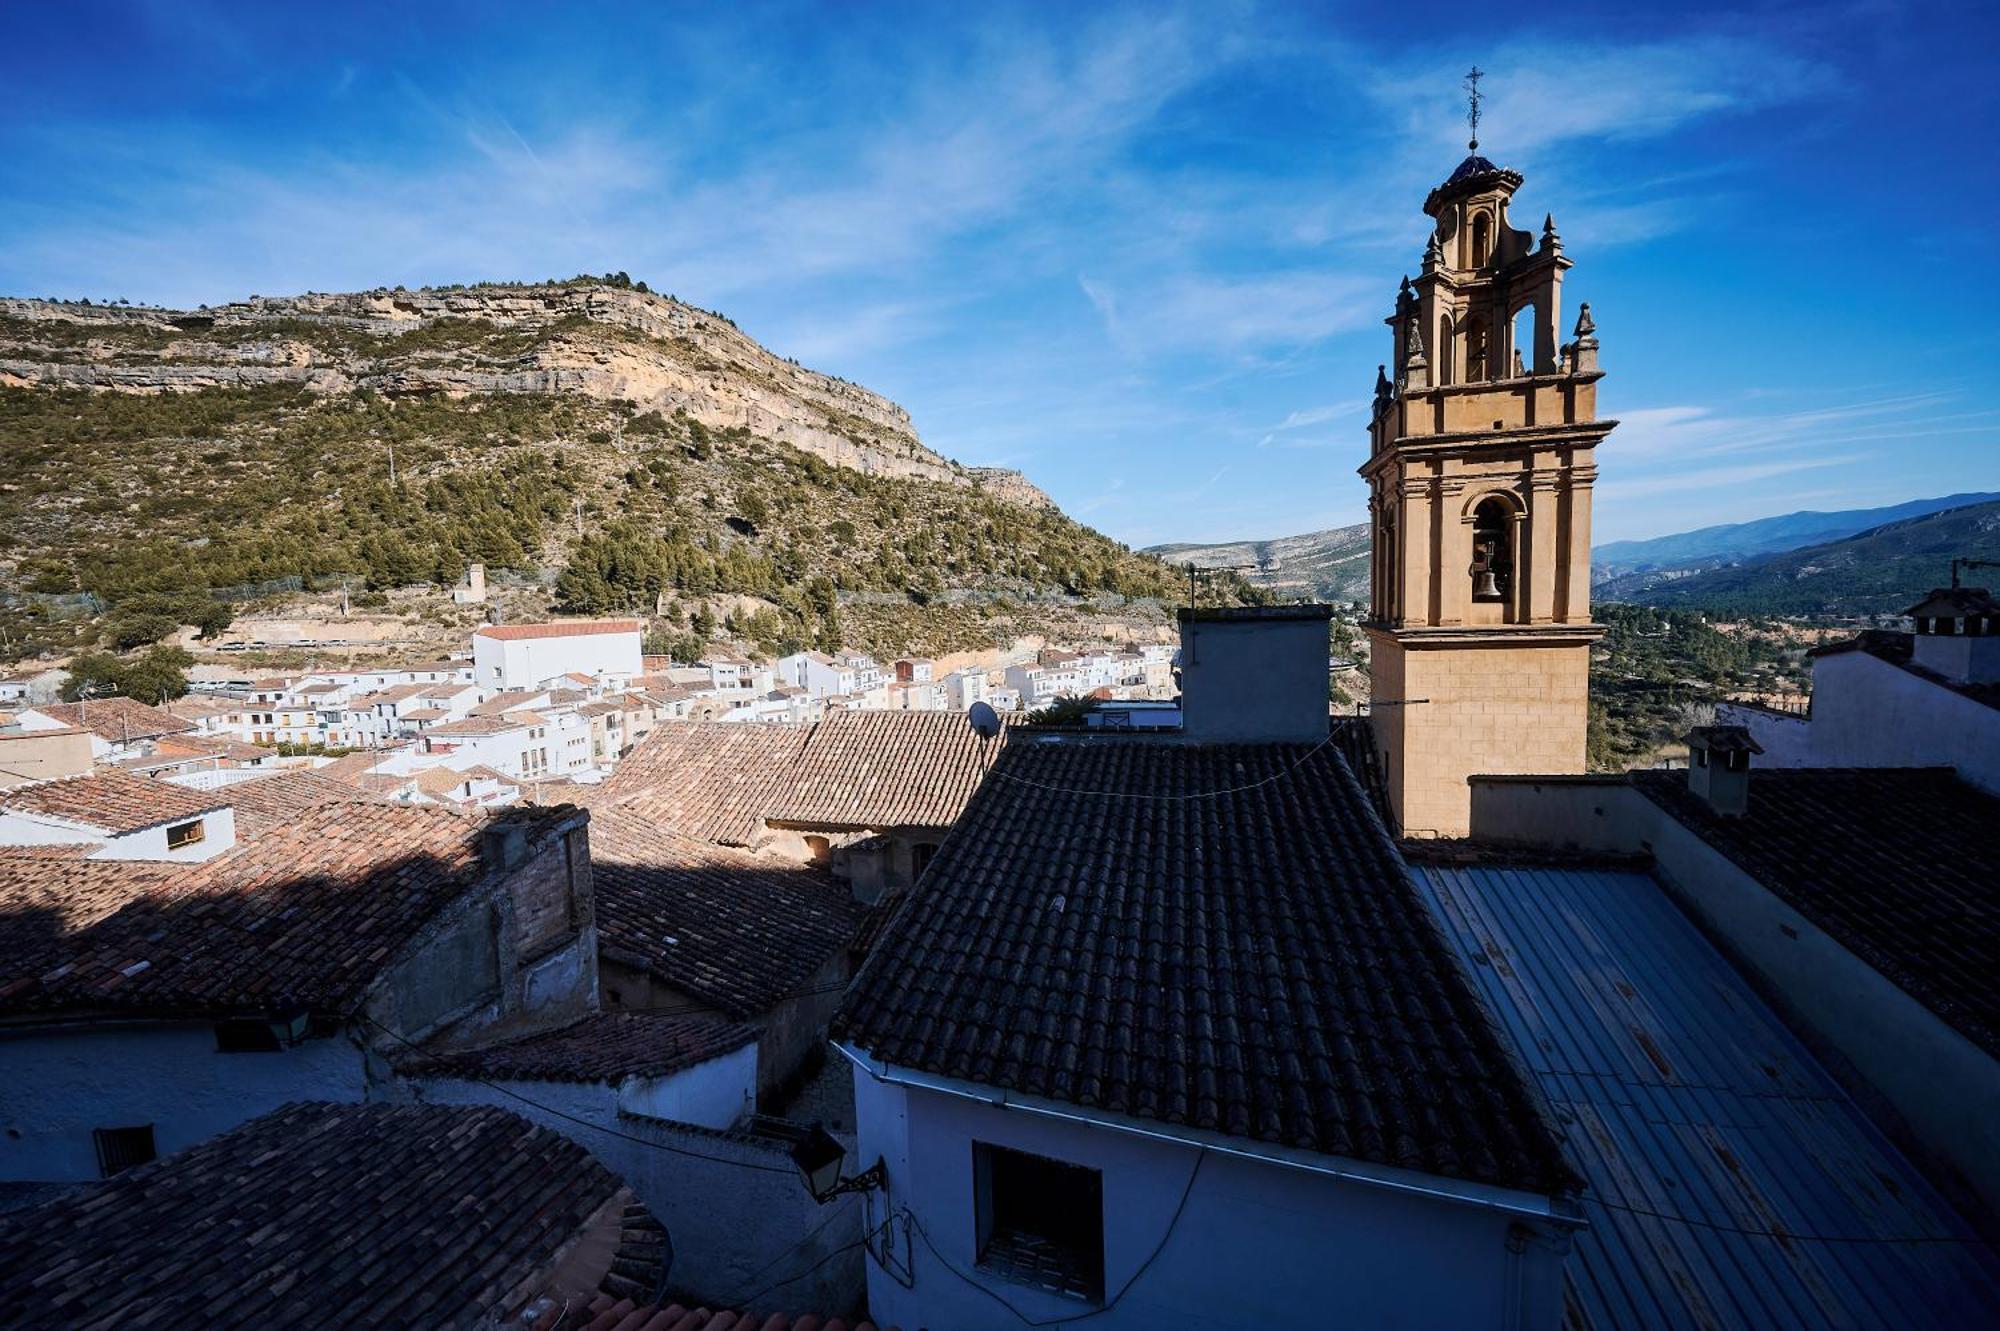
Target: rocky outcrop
601 341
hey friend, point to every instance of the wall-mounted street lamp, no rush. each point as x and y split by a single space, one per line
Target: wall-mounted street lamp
818 1157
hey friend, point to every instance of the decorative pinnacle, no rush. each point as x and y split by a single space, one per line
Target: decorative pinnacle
1549 237
1472 95
1433 253
1585 325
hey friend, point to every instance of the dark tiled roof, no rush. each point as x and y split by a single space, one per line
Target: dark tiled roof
608 1046
308 916
111 801
727 928
1899 865
714 780
605 1314
1897 649
116 719
1955 603
1723 739
272 803
317 1215
887 769
1102 928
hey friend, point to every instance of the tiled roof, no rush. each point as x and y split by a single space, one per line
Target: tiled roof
507 701
607 1314
471 726
273 803
606 1046
1898 649
111 801
211 746
1955 603
356 769
116 719
730 930
888 769
1901 866
355 1215
713 780
568 628
1220 937
306 916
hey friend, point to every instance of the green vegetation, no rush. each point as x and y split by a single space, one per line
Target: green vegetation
155 676
1657 669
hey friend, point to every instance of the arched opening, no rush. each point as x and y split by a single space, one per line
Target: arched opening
1482 240
1492 570
1521 342
1447 351
1476 368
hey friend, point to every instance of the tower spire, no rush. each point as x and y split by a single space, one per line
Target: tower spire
1472 97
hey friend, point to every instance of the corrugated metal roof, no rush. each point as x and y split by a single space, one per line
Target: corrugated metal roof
1683 1094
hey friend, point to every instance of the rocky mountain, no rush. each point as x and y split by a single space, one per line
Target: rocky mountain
1327 565
1878 571
1711 547
603 448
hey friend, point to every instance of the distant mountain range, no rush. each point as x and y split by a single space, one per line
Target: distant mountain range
1858 561
1327 565
1707 547
1878 571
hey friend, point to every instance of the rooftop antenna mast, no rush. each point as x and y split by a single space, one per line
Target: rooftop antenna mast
1472 97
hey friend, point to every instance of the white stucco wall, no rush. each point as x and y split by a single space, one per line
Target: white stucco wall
218 835
1867 712
59 1083
714 1094
521 663
1258 1244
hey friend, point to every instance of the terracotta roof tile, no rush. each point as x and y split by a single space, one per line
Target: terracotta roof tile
470 726
1899 865
566 628
606 1046
116 719
727 928
111 801
713 780
273 803
1220 937
307 916
286 1220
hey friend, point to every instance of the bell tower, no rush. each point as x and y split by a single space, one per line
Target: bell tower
1480 466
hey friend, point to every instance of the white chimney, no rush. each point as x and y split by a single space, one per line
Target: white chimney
1957 635
1719 767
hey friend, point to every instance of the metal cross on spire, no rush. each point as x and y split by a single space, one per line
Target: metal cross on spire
1471 86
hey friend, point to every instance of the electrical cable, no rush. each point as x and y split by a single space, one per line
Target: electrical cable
834 1213
913 1221
582 1122
1787 1235
748 1304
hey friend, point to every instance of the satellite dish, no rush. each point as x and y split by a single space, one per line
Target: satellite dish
985 721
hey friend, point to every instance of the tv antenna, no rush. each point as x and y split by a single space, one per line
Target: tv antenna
1965 561
1195 572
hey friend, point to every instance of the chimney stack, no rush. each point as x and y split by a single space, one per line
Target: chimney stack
1719 767
1957 635
1254 674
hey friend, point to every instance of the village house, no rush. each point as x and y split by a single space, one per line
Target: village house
522 656
41 754
1066 1072
37 684
962 688
119 728
116 815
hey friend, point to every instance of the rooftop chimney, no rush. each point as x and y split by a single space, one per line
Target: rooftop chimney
1254 674
1958 634
1719 767
503 843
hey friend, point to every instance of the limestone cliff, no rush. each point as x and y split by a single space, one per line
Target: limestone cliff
601 341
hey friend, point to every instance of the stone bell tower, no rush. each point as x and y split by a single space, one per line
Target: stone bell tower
1481 460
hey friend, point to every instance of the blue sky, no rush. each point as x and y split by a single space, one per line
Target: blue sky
1141 254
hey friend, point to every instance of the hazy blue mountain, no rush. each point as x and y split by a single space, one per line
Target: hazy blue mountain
1735 541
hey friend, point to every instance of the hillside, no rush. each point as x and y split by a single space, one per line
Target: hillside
1707 547
1322 565
602 446
1875 572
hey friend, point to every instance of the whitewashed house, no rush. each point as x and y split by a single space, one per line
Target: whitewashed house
962 688
1089 1101
522 656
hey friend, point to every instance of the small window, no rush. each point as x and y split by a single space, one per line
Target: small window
1482 240
242 1035
184 834
119 1149
921 856
1041 1221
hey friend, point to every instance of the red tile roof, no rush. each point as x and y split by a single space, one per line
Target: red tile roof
566 628
732 930
111 801
887 769
713 780
308 916
606 1047
273 803
116 719
472 726
352 1215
